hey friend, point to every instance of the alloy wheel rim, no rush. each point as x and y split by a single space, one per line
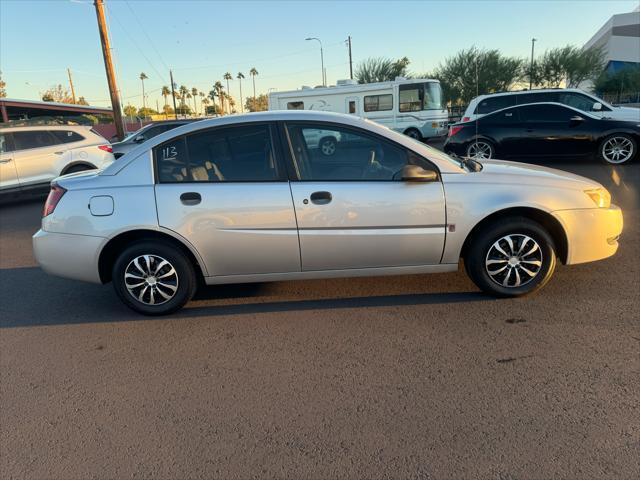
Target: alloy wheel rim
617 150
151 279
514 260
479 151
328 148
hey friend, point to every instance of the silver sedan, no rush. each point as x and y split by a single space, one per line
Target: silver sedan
248 198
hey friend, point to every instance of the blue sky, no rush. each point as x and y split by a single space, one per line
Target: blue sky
200 40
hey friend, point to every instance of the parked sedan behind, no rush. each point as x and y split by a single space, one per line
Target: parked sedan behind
145 133
253 198
30 157
544 130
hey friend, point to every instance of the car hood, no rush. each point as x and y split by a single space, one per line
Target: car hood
623 113
526 174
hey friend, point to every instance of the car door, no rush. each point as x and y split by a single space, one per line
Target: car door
8 172
37 156
504 129
225 191
554 130
352 209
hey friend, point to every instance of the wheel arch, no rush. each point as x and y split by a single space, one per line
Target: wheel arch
79 163
547 220
412 129
115 245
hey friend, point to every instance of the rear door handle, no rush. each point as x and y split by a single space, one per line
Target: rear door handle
58 153
190 198
320 198
6 160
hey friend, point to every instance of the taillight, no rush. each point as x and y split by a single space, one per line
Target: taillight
106 148
455 129
466 119
55 194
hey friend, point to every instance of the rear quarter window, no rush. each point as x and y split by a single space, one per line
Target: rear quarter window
171 161
67 136
491 104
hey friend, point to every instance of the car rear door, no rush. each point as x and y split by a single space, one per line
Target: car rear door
8 172
225 191
352 210
37 155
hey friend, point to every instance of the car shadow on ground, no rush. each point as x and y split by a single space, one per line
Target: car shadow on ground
56 301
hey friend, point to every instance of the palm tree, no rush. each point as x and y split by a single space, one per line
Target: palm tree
194 94
218 88
201 98
143 77
165 93
212 95
205 102
240 76
253 72
227 76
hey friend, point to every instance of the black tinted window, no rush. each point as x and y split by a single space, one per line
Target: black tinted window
524 98
331 153
546 113
5 143
492 104
295 106
67 136
501 118
171 161
33 139
234 154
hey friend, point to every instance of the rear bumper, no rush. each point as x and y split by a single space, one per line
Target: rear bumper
592 234
68 255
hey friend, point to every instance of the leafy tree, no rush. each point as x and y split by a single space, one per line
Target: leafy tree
569 64
167 110
475 72
622 81
381 69
240 76
145 112
57 93
183 109
130 110
253 72
3 85
257 104
213 110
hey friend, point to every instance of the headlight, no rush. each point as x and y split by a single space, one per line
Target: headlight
600 196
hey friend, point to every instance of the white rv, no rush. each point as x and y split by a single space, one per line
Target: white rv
410 106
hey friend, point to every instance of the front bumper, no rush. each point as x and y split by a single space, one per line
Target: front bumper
592 233
68 255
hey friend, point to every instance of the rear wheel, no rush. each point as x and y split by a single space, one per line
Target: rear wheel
481 150
153 278
414 133
617 148
510 258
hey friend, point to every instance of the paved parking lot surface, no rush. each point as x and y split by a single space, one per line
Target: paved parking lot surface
395 377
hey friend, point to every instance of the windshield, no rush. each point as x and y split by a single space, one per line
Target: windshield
432 96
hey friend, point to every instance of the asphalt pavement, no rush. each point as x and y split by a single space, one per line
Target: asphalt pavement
391 377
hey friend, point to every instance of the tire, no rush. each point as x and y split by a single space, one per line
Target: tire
413 133
78 168
178 286
480 149
617 149
489 268
328 146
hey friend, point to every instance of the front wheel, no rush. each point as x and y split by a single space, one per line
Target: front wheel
153 278
481 150
617 148
413 133
328 146
510 258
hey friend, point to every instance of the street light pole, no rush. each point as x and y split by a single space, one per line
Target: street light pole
324 82
533 44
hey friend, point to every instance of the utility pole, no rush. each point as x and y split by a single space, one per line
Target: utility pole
73 92
350 59
173 94
108 65
533 44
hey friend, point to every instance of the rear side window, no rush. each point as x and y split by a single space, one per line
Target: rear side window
5 143
492 104
236 154
546 113
33 139
67 136
295 106
536 97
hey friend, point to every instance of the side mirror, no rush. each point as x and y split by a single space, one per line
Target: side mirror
576 120
415 173
139 139
596 107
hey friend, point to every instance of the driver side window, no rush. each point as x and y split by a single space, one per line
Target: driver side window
331 153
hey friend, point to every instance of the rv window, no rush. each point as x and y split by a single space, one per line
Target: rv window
352 106
295 106
378 103
411 96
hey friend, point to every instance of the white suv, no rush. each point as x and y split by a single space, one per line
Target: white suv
573 97
30 157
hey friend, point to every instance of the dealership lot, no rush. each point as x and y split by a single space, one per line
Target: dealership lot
404 377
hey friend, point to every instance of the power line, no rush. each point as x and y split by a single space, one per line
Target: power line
145 34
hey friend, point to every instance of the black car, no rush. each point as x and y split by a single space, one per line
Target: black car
544 130
145 133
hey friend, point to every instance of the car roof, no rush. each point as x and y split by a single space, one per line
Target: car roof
522 92
514 107
46 127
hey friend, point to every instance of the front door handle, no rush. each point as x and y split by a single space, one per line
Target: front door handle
58 153
6 160
190 198
320 198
